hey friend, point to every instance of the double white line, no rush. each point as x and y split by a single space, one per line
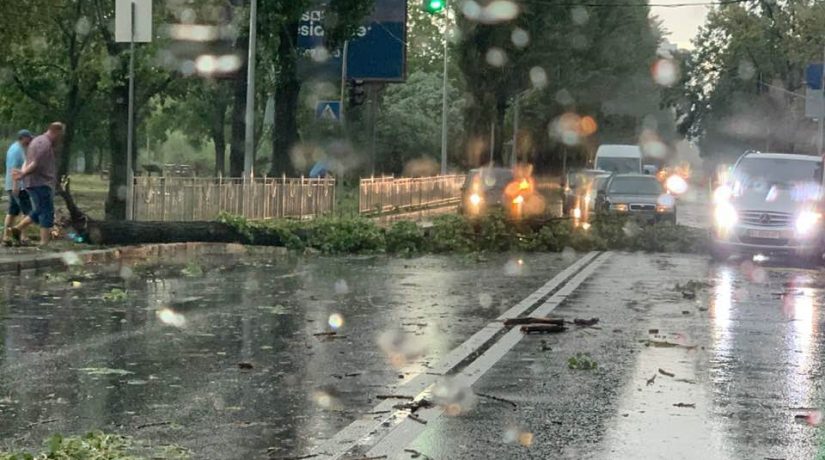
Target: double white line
389 433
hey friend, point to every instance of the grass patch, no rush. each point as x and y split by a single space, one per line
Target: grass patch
97 446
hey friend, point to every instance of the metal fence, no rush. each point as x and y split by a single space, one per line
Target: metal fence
386 194
202 199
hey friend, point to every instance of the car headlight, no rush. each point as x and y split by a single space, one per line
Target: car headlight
663 209
577 213
807 221
620 207
475 199
725 215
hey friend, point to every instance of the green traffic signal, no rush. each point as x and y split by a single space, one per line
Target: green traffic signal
434 6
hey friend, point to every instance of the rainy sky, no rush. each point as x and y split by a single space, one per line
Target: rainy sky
682 22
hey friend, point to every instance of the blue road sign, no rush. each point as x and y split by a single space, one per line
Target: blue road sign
813 76
328 110
378 52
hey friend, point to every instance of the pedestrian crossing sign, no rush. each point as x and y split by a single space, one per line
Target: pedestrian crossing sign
328 110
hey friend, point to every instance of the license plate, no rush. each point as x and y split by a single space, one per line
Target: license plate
768 234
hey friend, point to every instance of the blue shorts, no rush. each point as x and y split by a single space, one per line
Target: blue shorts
19 204
42 205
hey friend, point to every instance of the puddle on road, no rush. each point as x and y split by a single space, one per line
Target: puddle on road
237 357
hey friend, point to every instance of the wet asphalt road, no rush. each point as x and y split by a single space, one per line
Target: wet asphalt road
732 373
164 363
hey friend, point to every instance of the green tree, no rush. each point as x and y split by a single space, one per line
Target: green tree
747 63
409 126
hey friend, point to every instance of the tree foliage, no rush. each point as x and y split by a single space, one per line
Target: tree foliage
748 61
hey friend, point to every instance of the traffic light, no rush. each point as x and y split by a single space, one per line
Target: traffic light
434 6
357 93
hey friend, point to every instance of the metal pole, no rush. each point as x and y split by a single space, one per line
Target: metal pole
822 106
373 91
130 181
444 100
249 147
492 140
344 57
514 155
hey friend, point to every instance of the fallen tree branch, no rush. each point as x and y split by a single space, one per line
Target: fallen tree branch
542 329
666 373
532 320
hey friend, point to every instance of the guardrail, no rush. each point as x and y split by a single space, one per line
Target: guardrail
203 199
379 195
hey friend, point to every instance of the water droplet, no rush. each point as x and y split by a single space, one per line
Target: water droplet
499 11
319 54
746 69
341 287
83 26
496 57
538 77
665 72
171 318
485 300
335 321
70 258
471 10
520 37
579 15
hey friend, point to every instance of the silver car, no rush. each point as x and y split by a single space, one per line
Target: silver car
769 205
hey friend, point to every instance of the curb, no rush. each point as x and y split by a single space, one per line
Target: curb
23 263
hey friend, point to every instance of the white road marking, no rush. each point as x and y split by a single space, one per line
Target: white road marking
364 431
407 430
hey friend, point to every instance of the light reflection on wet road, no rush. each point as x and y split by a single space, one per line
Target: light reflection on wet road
746 356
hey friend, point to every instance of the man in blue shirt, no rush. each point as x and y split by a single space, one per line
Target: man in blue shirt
19 203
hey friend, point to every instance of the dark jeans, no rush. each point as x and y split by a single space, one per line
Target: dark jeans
42 205
19 204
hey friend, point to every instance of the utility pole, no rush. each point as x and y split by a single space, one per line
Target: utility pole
822 106
514 159
249 147
344 57
130 172
444 100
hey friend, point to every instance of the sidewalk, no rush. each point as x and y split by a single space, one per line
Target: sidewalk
18 260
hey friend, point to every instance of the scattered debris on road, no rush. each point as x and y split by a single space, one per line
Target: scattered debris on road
581 361
653 331
692 382
245 366
325 334
404 397
651 380
496 398
687 405
416 454
300 457
415 405
666 373
666 344
542 329
586 322
532 320
416 418
545 347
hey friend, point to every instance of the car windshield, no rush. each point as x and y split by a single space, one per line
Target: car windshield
758 173
340 229
635 186
618 165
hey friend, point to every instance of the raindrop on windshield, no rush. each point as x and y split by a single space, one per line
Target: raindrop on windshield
496 57
520 37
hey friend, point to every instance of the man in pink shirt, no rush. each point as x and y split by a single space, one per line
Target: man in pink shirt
39 175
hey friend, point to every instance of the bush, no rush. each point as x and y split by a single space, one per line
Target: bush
451 233
404 237
346 235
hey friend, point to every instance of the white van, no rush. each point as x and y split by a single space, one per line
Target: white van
621 159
